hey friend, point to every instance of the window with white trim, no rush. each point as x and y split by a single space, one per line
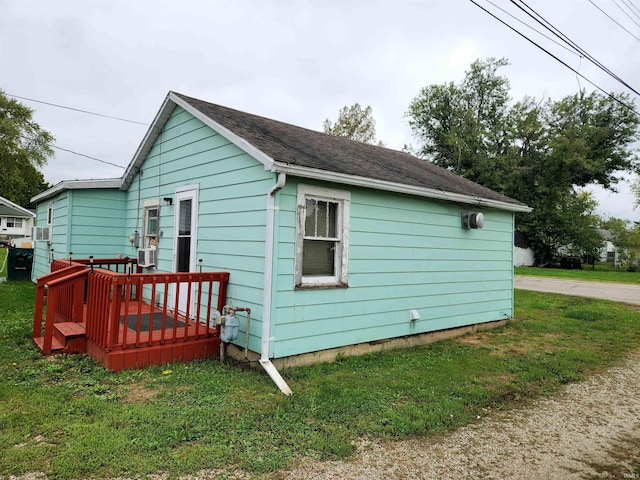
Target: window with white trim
150 223
14 222
322 237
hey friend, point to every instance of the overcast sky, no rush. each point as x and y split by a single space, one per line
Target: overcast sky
297 62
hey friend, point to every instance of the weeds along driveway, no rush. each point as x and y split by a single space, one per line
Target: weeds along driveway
619 292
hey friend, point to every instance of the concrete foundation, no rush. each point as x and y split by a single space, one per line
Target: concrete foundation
330 355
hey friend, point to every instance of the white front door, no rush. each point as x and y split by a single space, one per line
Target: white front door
184 249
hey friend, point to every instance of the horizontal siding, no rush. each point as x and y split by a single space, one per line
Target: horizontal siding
231 212
98 227
42 250
404 253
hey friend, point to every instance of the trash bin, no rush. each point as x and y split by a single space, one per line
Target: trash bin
19 264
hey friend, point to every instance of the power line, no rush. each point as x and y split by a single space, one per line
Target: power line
533 28
87 156
614 20
556 58
77 109
631 6
549 26
626 13
52 145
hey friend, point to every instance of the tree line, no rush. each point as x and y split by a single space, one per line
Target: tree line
541 152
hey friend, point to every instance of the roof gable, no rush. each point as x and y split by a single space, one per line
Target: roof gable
10 209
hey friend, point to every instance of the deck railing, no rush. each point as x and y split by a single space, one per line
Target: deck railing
123 265
65 292
123 310
143 309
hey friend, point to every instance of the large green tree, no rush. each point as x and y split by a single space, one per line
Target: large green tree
354 123
539 152
24 149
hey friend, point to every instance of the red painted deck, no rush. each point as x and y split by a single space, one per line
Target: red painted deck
109 314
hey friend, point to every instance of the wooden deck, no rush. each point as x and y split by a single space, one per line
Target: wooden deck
124 320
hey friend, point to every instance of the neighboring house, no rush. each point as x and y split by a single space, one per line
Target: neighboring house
608 252
16 222
522 253
328 241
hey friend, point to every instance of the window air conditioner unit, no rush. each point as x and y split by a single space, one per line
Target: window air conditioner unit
147 257
42 234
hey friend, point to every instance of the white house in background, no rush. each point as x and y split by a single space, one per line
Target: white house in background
16 222
608 252
522 253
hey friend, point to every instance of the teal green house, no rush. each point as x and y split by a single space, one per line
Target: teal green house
331 243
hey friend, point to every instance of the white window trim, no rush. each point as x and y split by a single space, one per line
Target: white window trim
146 207
14 221
343 198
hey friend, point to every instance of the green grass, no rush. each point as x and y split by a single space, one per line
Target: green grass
603 273
69 418
3 265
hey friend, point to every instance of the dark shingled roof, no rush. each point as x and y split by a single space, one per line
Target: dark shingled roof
302 147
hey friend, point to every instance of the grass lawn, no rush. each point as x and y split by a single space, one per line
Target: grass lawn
4 252
69 418
603 272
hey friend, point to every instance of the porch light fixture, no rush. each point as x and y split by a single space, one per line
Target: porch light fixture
168 200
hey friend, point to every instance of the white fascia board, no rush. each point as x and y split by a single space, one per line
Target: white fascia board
345 179
17 207
147 142
77 185
238 141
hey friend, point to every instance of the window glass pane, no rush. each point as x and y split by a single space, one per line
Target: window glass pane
184 253
333 219
185 218
318 258
322 219
310 218
152 222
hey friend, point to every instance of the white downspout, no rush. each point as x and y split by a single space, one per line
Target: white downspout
268 287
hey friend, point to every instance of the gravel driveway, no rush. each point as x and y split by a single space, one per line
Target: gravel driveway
591 430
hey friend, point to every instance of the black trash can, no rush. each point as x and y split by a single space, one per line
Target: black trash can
19 264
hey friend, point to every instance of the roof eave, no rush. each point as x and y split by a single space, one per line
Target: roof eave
17 207
77 185
170 102
346 179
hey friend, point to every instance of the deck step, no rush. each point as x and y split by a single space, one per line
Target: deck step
72 335
56 345
70 329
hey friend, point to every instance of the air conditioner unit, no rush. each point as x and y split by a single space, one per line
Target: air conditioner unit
147 257
42 234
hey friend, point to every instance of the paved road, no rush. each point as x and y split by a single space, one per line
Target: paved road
619 292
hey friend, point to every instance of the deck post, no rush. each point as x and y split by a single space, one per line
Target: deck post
52 305
37 314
